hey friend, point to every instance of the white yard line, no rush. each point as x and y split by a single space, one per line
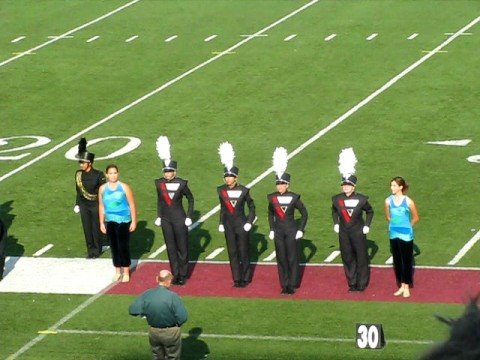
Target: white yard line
81 27
171 38
210 38
154 92
371 37
158 252
413 36
240 336
214 253
389 261
332 256
350 112
131 38
20 38
270 257
93 38
290 37
43 250
465 249
330 37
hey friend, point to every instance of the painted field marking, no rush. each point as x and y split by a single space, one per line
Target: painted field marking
239 336
152 93
463 142
60 37
81 27
20 38
254 35
434 51
389 261
93 38
227 53
449 34
413 36
372 36
332 256
171 38
290 37
465 249
350 112
210 38
270 257
214 253
43 250
158 251
24 53
330 37
134 37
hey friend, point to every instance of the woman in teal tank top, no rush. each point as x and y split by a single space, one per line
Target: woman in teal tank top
118 218
402 215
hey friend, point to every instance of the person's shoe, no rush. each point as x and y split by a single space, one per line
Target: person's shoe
406 292
117 277
290 291
361 289
237 284
284 291
125 278
175 281
181 281
399 292
352 289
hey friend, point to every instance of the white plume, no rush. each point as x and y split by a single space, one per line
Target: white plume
163 149
346 162
280 161
226 154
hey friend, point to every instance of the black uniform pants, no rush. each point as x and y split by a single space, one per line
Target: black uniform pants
287 257
402 252
91 228
119 236
354 251
238 252
176 240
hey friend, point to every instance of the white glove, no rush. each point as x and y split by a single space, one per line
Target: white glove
76 209
299 234
271 235
221 228
365 229
158 221
247 226
336 228
188 221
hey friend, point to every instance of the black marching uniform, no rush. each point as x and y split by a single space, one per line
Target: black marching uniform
347 211
232 217
170 209
87 185
281 208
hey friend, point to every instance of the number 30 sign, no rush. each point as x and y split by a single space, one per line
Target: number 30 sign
370 336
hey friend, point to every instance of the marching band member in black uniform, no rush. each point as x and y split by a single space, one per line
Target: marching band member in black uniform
283 227
88 180
171 215
347 213
233 221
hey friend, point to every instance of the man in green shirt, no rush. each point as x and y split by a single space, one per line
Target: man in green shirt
165 314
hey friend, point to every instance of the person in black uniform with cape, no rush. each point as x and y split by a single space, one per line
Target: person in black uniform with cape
284 230
88 180
171 215
347 213
233 222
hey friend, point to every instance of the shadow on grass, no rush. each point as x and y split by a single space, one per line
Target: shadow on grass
192 347
258 244
198 241
141 240
306 250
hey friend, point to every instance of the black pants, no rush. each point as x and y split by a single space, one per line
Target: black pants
402 252
119 236
91 228
287 258
176 240
354 251
238 252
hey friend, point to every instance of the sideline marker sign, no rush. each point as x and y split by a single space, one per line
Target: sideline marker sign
369 336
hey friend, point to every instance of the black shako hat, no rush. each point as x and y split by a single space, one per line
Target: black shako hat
351 180
171 166
83 154
284 179
233 171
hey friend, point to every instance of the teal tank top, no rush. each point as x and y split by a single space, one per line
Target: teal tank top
116 205
399 225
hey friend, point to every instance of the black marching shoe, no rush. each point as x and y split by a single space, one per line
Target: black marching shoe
352 289
290 291
284 291
237 284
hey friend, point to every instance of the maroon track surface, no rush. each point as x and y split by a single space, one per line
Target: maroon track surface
318 283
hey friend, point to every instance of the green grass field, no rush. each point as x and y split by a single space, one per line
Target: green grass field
265 92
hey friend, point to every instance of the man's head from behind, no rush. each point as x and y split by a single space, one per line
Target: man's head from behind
164 278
